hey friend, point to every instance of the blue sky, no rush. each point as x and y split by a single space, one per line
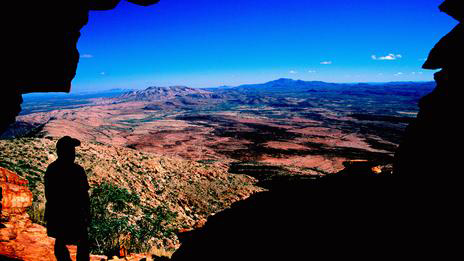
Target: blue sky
205 43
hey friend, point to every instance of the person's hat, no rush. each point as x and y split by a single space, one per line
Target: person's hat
66 142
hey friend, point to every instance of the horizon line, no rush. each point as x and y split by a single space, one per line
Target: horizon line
87 91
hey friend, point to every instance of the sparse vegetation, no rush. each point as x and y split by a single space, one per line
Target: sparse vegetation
115 225
149 198
36 213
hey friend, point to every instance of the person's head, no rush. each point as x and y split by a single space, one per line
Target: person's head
66 148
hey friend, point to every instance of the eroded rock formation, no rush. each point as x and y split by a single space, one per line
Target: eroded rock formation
414 214
432 143
42 55
20 239
338 216
16 197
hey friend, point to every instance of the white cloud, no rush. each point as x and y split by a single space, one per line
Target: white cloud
293 72
311 71
389 57
399 74
102 73
326 62
86 56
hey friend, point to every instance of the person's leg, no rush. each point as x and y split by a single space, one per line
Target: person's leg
83 249
61 251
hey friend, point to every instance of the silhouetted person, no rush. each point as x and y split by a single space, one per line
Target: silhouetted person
41 47
67 210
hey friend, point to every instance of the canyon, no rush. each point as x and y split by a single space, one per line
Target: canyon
197 152
312 127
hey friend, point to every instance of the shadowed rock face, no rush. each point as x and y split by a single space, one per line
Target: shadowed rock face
432 143
352 214
454 8
361 216
342 216
356 213
41 47
45 35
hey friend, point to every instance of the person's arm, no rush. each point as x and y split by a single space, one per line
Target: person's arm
49 192
47 184
85 199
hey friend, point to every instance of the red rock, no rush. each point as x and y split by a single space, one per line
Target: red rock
200 223
16 197
19 237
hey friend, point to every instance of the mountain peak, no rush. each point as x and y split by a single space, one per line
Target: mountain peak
283 80
292 81
154 93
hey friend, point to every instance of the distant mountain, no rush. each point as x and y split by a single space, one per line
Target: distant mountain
297 88
173 97
164 93
285 84
282 84
217 87
278 93
290 83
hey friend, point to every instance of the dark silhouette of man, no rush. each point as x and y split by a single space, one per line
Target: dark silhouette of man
67 210
41 48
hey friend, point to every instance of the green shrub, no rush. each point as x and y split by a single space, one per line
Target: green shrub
36 213
154 223
118 218
110 209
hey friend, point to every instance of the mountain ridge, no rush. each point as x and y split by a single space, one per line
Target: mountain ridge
156 93
301 83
